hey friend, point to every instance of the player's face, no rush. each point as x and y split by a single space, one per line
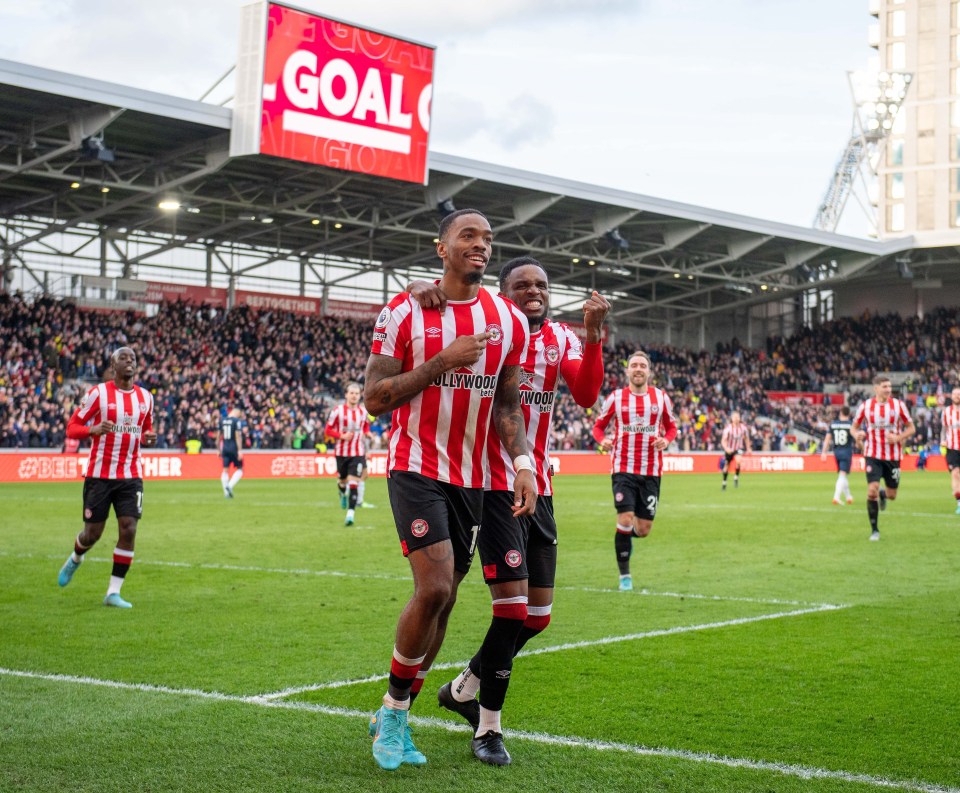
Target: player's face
466 248
352 396
734 418
125 363
883 390
955 396
527 286
638 371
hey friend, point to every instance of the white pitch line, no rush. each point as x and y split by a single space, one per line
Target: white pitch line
556 648
407 578
574 742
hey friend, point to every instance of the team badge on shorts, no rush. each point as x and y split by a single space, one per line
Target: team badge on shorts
496 333
551 353
869 468
618 497
384 317
88 513
513 558
419 527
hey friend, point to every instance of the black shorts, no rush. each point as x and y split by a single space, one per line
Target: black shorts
350 466
637 494
427 511
844 458
728 456
953 459
888 470
231 458
516 548
124 495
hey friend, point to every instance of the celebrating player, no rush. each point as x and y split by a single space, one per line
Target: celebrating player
444 376
519 556
733 440
122 416
230 443
950 437
643 426
840 436
886 425
349 427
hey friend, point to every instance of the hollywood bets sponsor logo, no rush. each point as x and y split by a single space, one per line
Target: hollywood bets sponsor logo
496 333
464 378
513 558
541 400
419 527
551 353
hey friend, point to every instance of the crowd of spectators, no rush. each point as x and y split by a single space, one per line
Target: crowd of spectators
286 371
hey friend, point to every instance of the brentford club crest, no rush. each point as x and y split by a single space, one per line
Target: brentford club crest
618 497
513 558
88 513
419 527
496 333
384 317
551 353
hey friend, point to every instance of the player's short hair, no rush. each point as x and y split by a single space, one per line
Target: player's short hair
638 354
116 353
845 410
445 223
513 264
881 378
352 384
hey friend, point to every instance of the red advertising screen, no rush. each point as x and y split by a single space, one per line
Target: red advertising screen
345 97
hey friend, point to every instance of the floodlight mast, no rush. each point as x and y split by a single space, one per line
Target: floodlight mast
877 98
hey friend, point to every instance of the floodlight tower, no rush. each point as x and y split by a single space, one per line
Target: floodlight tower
877 98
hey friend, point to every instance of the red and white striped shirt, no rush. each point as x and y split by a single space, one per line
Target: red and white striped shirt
879 420
950 419
442 432
116 455
344 418
734 436
639 419
550 348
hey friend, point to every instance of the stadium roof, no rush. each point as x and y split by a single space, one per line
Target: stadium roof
664 262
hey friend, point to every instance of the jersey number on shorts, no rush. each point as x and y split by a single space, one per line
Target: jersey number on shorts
473 539
652 505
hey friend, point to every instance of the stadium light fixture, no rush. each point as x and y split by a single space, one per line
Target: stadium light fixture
104 189
315 222
591 263
74 185
676 275
169 205
575 260
338 225
265 218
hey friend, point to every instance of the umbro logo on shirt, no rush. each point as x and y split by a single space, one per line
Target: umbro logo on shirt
434 332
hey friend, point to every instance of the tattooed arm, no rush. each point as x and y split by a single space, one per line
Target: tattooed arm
508 419
388 387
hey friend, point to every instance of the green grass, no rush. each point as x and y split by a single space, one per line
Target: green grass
269 591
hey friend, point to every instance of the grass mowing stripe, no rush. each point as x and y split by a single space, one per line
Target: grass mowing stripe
381 577
573 742
287 692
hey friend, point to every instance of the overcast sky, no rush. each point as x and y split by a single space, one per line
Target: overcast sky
740 105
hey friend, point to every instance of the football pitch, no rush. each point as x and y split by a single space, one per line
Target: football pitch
768 645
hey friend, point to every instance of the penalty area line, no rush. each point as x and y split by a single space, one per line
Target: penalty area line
556 648
572 742
236 568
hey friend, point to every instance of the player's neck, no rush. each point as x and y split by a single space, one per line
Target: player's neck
123 384
639 389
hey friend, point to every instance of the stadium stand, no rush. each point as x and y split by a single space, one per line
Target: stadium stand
286 370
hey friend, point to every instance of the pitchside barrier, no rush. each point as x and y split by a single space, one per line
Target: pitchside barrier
44 466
